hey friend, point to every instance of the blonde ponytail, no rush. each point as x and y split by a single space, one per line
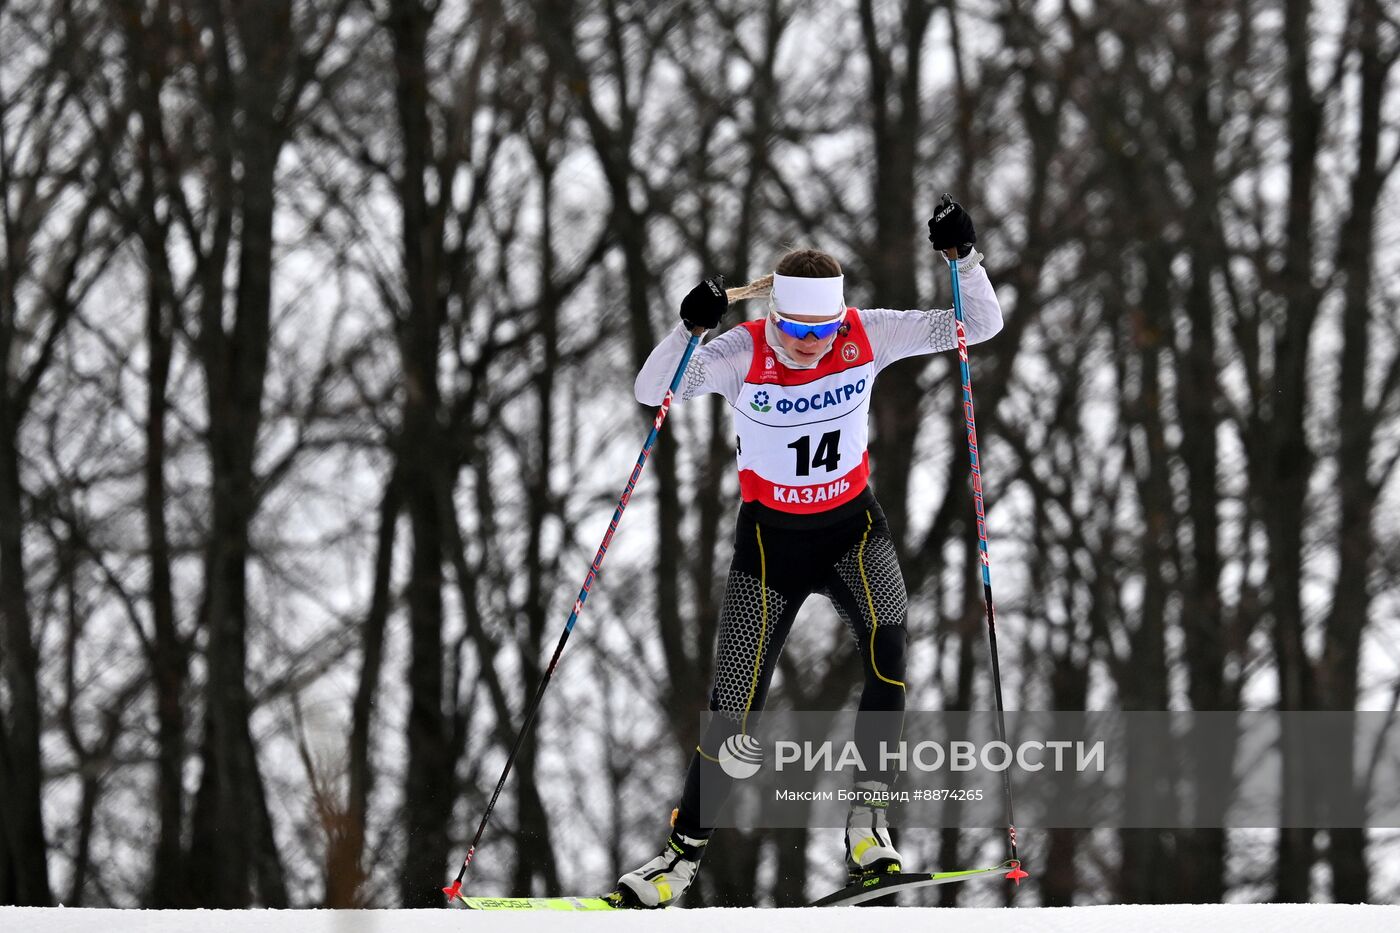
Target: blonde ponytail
759 288
810 263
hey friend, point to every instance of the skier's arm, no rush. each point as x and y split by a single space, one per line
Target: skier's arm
718 366
895 335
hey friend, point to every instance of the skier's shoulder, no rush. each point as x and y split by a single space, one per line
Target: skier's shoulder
874 320
875 324
738 341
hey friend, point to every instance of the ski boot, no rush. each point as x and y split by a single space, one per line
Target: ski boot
869 848
662 881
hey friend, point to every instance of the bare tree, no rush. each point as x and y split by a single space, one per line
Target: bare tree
249 70
56 141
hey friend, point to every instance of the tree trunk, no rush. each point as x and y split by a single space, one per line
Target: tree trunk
1339 667
26 883
232 847
896 118
345 867
169 658
1289 462
428 778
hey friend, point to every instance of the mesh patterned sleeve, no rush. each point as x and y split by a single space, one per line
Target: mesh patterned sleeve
718 366
895 335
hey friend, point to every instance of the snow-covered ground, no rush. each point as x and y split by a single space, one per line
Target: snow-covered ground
1231 918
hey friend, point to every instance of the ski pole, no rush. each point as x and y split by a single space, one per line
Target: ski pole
1016 873
455 888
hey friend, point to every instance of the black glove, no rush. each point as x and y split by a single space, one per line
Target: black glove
950 226
705 304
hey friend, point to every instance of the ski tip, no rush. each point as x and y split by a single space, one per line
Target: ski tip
1016 873
453 890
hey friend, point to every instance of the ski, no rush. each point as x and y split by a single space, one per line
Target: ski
869 888
609 902
866 889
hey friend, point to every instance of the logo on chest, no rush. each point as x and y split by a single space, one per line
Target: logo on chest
762 401
850 352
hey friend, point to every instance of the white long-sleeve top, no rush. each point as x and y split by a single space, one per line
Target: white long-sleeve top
720 365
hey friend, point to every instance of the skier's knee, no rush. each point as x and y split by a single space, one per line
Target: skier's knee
885 658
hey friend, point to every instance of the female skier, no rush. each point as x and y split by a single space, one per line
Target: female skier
799 382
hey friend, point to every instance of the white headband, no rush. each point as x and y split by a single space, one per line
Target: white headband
795 294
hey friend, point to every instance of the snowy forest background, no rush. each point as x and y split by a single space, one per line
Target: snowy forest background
318 323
